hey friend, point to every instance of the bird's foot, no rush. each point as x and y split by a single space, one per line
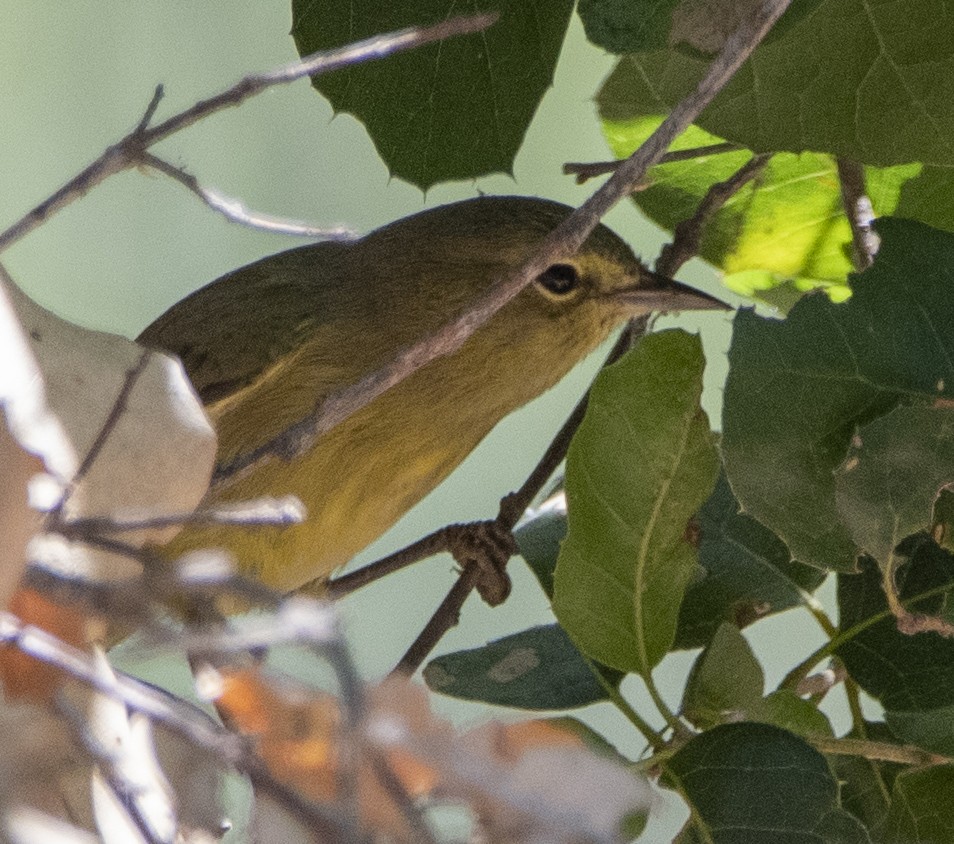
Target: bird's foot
488 546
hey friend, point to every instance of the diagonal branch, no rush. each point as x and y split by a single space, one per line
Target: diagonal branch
738 47
566 239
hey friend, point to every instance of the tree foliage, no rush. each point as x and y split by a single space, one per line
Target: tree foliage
833 457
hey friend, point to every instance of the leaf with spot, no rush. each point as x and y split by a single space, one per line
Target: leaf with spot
640 465
539 668
453 110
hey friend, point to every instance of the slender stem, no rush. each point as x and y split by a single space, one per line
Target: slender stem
879 751
653 738
857 205
587 170
842 637
445 617
688 233
853 694
345 584
234 210
674 721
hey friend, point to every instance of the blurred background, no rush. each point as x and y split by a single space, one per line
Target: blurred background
77 76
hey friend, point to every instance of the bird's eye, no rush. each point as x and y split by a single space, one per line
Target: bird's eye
559 279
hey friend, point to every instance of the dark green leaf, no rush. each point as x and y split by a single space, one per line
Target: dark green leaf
539 543
539 668
922 807
907 674
726 681
933 730
638 468
787 710
886 488
870 80
797 389
453 110
625 26
866 784
745 572
942 521
749 783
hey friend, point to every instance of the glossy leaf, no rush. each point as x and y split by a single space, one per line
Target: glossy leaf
638 468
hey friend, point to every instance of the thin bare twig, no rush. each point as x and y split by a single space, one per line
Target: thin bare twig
864 242
129 151
235 211
584 171
109 424
345 584
258 512
565 239
688 234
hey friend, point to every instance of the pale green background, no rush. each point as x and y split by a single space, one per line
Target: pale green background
76 76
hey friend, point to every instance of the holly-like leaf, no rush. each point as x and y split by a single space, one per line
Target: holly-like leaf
868 80
638 468
797 389
745 572
453 110
539 668
886 488
755 782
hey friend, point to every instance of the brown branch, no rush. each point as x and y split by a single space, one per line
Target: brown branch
565 239
587 170
129 151
857 205
688 234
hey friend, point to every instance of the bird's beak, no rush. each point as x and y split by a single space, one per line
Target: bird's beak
655 292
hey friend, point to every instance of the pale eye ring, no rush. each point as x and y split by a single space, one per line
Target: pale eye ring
559 279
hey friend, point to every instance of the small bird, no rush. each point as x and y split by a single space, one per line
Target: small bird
263 344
